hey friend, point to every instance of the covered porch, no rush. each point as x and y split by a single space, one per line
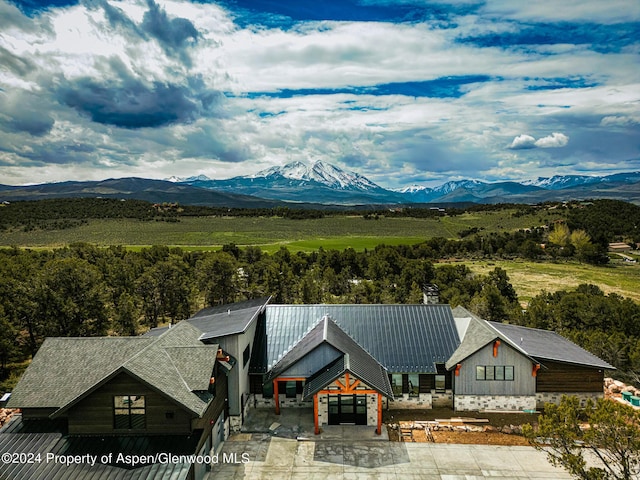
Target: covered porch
345 400
344 382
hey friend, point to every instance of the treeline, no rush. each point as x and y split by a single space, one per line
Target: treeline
606 325
83 290
607 221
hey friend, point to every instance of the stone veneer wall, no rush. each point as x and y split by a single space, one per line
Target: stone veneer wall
372 409
323 409
494 402
423 401
235 423
259 401
542 398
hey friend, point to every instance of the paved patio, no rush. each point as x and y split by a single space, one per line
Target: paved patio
284 447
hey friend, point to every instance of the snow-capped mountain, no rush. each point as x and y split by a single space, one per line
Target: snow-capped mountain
453 185
299 182
415 188
328 184
322 183
322 173
558 182
174 179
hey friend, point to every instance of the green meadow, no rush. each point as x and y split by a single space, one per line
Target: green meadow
530 278
341 232
270 233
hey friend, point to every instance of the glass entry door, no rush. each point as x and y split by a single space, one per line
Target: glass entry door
347 409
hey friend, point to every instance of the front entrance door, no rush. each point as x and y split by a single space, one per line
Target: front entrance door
347 409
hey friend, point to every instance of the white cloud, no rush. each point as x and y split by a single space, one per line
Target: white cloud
620 121
523 142
607 12
555 140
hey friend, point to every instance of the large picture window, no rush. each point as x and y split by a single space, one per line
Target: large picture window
414 385
129 412
494 372
396 383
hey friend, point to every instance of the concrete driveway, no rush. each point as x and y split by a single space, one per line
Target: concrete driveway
273 457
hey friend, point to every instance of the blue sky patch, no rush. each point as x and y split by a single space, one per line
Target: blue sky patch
446 87
32 7
284 13
600 38
558 83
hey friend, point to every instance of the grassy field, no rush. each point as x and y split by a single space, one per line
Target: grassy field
530 278
340 232
270 233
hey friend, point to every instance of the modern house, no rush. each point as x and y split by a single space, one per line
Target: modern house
144 395
181 389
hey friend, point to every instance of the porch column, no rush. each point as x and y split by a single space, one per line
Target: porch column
315 414
379 429
276 395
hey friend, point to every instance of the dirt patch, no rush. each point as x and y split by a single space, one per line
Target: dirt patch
444 432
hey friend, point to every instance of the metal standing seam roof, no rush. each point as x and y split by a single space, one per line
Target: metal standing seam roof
59 444
548 345
66 370
354 359
403 338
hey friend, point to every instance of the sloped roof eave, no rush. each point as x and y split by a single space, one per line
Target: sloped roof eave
110 377
308 393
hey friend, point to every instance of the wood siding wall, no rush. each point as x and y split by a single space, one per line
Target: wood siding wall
562 377
94 414
522 384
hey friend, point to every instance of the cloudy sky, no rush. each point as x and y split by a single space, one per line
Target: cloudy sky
401 91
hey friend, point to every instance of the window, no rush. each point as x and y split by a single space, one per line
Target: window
267 390
246 355
508 372
414 385
129 412
494 372
396 383
290 389
440 383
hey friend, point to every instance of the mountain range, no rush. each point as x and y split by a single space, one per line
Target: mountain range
325 184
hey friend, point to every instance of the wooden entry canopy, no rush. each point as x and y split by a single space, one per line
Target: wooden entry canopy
358 368
347 388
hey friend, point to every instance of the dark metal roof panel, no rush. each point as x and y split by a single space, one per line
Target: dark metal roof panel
403 338
547 345
322 378
230 319
58 444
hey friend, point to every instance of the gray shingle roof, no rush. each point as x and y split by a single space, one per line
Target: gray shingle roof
403 338
355 359
65 367
538 345
547 345
65 370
